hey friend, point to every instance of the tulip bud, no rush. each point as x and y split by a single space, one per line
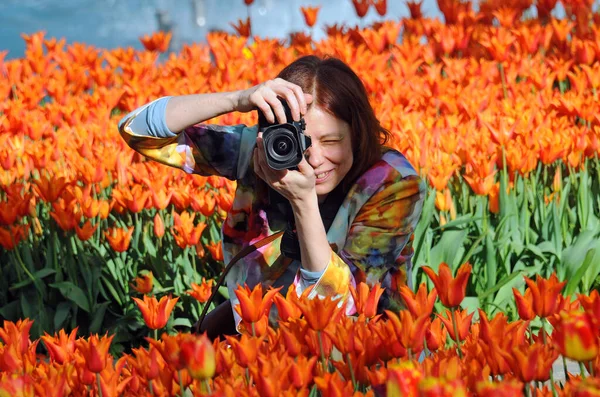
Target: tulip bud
159 226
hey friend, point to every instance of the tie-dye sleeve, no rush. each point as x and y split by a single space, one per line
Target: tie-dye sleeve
203 149
377 238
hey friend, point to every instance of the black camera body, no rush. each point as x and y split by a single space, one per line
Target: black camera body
286 143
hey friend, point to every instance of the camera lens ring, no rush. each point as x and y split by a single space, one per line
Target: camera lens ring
281 146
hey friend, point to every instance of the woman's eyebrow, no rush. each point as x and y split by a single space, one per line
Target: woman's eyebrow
330 135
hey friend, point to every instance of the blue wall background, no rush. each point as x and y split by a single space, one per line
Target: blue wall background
119 23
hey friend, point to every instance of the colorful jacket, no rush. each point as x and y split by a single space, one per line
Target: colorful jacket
371 234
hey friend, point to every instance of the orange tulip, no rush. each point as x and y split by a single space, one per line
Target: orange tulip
532 362
11 237
198 356
169 347
403 379
143 284
310 15
158 41
119 238
576 336
95 352
86 231
292 337
60 346
419 303
380 6
414 7
243 28
49 188
435 335
320 312
245 349
184 231
366 299
524 304
361 7
253 306
409 332
156 313
216 250
201 292
451 290
287 307
544 294
463 323
332 385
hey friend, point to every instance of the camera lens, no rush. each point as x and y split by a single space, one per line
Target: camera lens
282 145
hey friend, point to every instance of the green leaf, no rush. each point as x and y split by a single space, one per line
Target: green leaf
149 245
447 248
74 294
98 317
62 312
10 311
224 291
575 279
182 322
501 284
40 274
471 304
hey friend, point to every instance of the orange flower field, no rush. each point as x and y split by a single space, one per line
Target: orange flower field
108 259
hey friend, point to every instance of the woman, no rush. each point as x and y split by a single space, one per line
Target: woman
379 194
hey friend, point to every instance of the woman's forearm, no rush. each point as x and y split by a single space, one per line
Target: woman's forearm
314 247
187 110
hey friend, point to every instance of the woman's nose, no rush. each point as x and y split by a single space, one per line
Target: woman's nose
314 155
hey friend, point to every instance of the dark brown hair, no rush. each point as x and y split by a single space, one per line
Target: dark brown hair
339 91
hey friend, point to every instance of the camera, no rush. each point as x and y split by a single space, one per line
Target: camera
286 143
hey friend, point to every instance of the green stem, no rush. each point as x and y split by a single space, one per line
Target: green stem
98 382
248 380
155 334
582 369
150 387
552 384
503 77
352 372
591 368
456 336
321 349
207 386
180 383
564 360
253 330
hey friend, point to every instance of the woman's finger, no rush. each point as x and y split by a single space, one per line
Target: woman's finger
292 101
300 97
271 97
264 107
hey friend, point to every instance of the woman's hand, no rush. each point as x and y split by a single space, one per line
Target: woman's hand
296 186
264 97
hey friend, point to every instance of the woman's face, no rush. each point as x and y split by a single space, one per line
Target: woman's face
330 153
